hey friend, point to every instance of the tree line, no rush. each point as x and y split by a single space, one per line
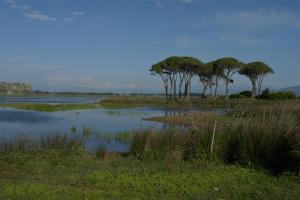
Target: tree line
176 73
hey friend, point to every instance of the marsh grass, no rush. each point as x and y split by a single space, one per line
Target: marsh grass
28 143
134 101
86 132
260 136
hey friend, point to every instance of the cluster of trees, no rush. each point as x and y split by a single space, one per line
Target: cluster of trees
177 73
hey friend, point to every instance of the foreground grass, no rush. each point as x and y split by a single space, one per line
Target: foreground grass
49 107
53 174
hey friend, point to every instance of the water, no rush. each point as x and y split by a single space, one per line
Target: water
100 121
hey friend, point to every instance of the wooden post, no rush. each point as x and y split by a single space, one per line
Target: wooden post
213 139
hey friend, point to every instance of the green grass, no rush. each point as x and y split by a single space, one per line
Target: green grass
57 167
50 107
192 119
52 174
134 101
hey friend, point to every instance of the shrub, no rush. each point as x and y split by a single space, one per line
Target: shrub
266 94
243 94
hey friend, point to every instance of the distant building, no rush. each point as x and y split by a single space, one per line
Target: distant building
14 88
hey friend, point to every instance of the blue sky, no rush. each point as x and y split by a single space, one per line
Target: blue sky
109 45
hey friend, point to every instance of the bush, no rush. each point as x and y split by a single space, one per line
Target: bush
266 94
243 94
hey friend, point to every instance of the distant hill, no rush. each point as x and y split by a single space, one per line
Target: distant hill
14 88
295 89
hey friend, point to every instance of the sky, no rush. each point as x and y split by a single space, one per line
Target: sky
109 45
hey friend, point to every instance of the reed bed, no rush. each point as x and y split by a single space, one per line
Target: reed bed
259 136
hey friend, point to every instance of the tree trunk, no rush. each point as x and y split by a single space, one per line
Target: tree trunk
260 81
174 89
227 89
204 90
189 86
171 88
253 89
166 91
216 87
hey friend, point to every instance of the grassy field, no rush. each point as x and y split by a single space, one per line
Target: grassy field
50 107
59 169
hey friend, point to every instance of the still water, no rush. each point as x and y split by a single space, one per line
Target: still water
99 121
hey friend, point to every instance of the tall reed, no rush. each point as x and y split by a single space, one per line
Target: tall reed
263 136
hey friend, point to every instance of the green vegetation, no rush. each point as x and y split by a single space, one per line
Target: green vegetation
195 119
134 101
50 107
86 132
266 94
177 72
57 168
73 129
242 99
243 94
259 136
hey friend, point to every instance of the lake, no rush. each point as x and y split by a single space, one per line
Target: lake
100 121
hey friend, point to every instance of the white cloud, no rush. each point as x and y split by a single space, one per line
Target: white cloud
12 3
36 15
78 13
